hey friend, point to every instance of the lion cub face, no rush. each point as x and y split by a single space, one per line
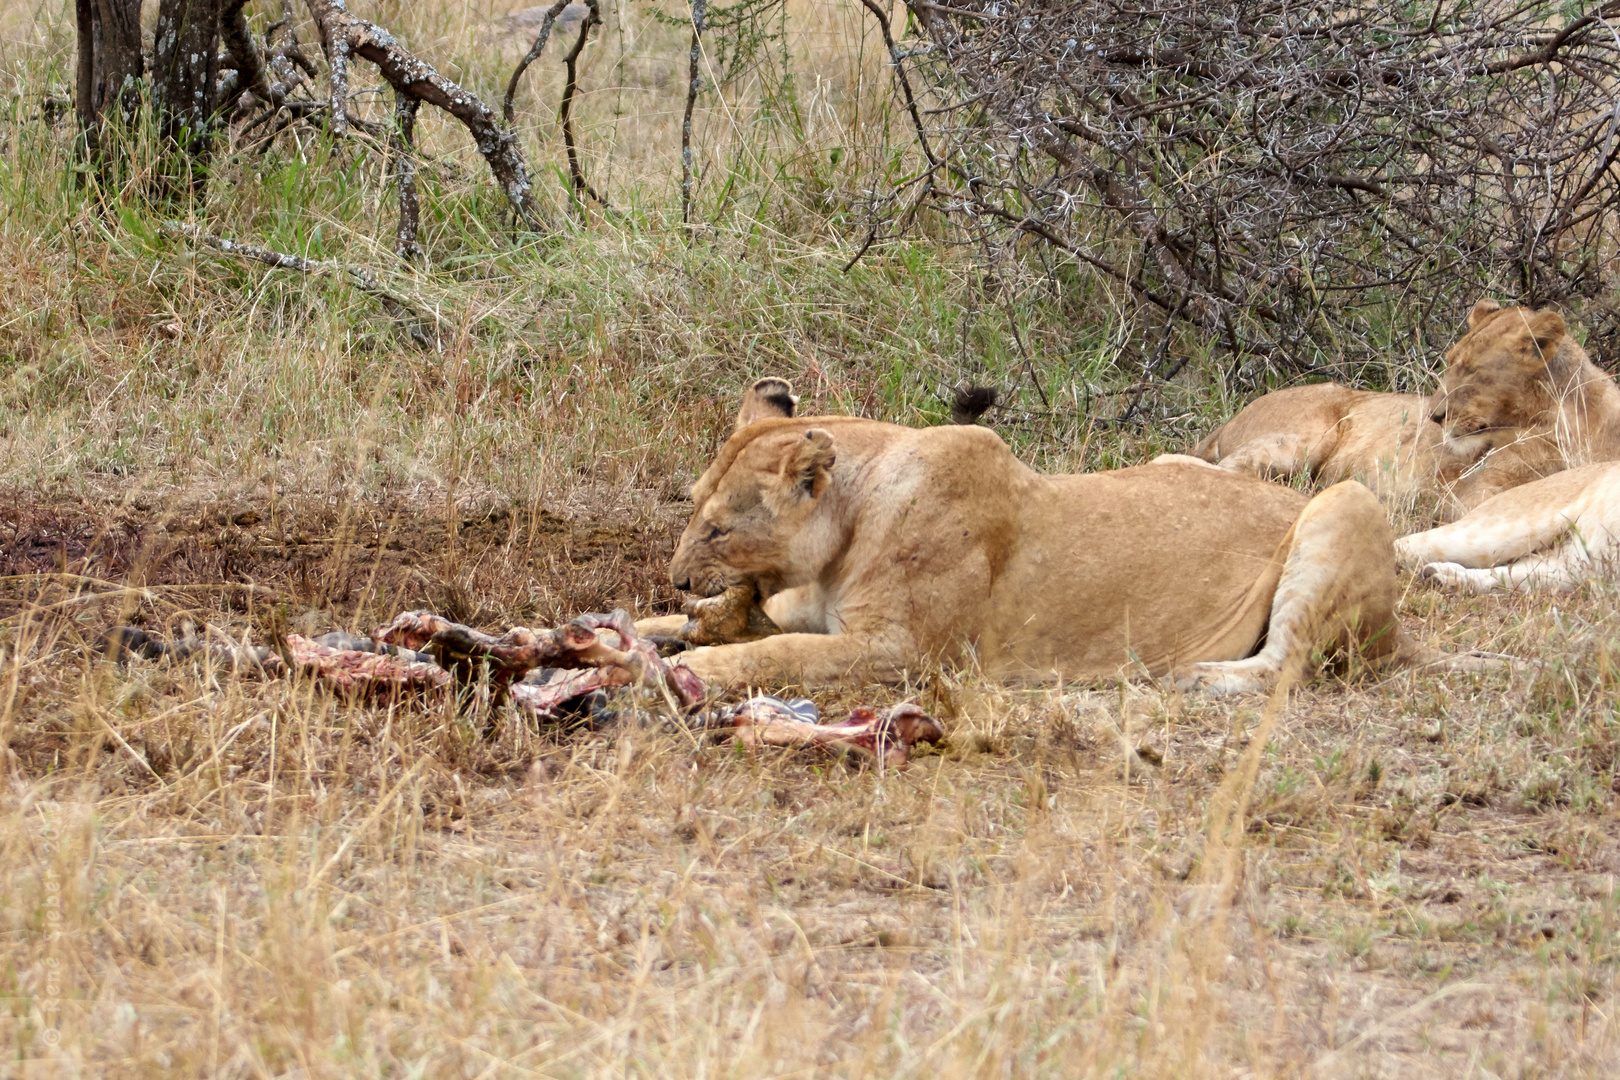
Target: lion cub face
1498 378
756 500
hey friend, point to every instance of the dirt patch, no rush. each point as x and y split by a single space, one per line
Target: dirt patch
350 562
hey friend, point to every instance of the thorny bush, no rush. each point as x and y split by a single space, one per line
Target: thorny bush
1276 176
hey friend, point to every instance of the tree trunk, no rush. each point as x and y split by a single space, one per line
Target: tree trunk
109 62
185 72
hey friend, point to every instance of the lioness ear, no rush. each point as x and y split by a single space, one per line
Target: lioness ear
1481 310
767 398
1547 328
807 467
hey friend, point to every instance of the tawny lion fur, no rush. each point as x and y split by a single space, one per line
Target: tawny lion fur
1553 534
1519 400
880 550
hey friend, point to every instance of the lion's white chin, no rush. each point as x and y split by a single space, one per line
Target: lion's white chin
1467 447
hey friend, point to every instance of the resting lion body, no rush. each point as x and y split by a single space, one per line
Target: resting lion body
879 549
1332 433
1519 401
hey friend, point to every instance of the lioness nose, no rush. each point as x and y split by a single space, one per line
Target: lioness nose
684 584
1438 415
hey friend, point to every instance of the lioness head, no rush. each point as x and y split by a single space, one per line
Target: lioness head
1505 375
754 500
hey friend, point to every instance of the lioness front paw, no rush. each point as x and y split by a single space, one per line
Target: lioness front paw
731 617
1217 679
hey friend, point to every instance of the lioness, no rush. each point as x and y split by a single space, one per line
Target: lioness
878 549
1552 533
1333 433
1519 400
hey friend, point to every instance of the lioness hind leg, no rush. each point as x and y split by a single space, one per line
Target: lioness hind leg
1337 588
1485 538
1272 457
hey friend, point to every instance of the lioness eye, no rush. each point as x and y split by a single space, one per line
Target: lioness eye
715 533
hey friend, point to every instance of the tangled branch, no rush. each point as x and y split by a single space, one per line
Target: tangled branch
415 322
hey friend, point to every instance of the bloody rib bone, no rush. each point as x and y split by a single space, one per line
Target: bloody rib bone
372 672
886 736
543 699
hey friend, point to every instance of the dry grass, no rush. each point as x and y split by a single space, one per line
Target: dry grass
210 875
256 879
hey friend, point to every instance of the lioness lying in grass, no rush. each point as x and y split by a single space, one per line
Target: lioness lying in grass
1552 534
879 549
1519 400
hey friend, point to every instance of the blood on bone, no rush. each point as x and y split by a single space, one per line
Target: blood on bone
344 669
347 669
593 652
542 699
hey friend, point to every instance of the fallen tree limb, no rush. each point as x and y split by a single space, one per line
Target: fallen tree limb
364 280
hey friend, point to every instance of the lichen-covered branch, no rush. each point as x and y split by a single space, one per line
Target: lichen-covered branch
565 110
694 83
250 73
410 210
344 35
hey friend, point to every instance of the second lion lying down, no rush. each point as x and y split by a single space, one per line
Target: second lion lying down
879 549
